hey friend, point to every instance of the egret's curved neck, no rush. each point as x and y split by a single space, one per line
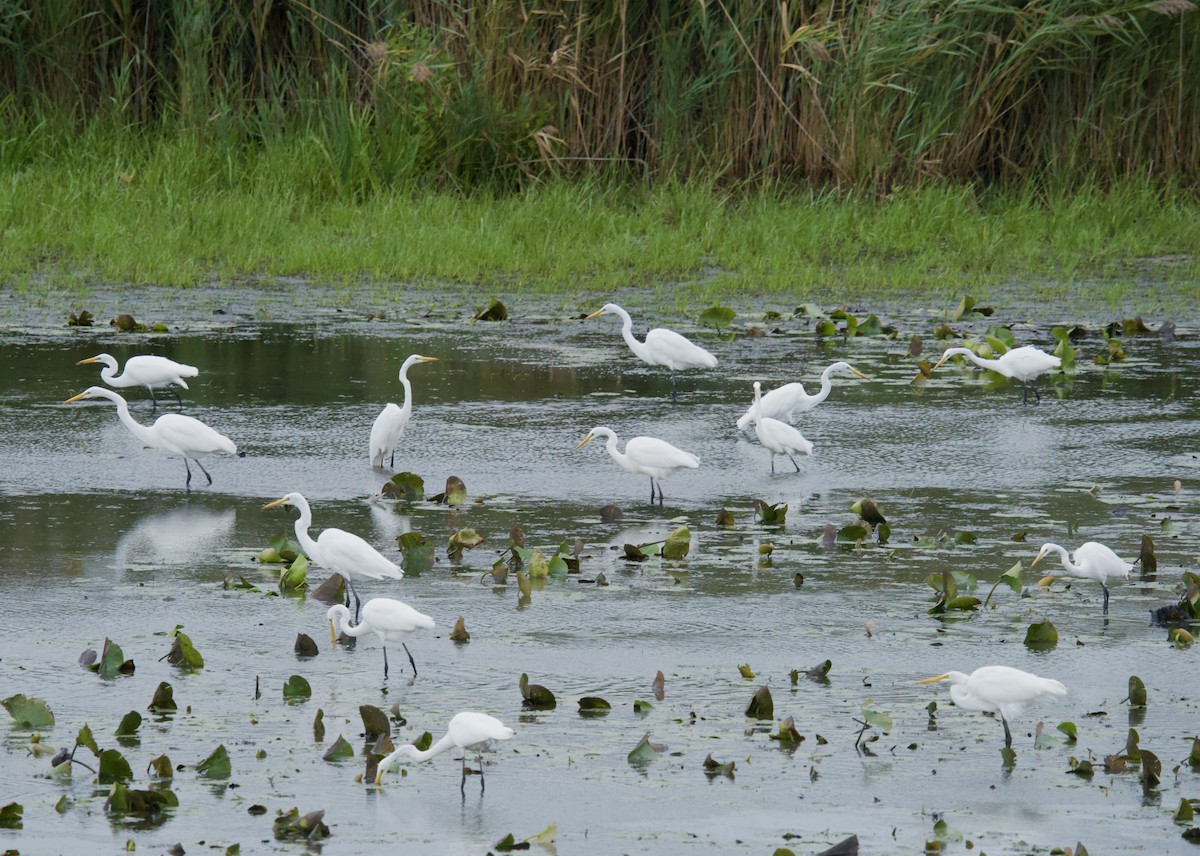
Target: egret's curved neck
344 625
611 445
406 407
1065 555
637 347
436 749
982 362
136 428
302 524
826 386
757 409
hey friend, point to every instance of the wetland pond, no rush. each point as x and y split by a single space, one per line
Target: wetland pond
101 541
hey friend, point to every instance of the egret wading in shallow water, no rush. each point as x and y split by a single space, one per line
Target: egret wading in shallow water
390 424
172 433
147 370
469 731
391 620
1093 561
1025 364
662 347
340 551
646 455
784 402
778 437
998 689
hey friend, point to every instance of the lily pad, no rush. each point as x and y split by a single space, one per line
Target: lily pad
634 553
724 518
536 696
82 319
594 706
87 740
291 825
416 553
494 311
787 735
645 751
29 712
1137 692
1146 556
853 533
10 815
216 766
113 767
463 539
296 688
761 705
143 803
112 662
746 671
678 544
876 718
339 751
714 768
770 515
459 633
160 766
455 493
164 698
129 725
717 316
183 653
407 486
374 720
1041 635
305 646
294 576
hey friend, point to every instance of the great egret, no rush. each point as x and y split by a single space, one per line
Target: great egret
172 433
146 370
390 424
469 731
340 551
1093 561
779 437
784 402
390 620
647 455
662 347
998 689
1025 364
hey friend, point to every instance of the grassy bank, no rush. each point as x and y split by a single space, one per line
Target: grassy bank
118 209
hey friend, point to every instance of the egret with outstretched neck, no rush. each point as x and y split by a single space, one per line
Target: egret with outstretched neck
1024 364
784 402
649 456
1093 561
172 433
390 424
340 551
662 347
998 689
148 370
469 731
778 437
391 620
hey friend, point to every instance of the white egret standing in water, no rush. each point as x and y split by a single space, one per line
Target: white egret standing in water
469 731
998 689
778 437
1093 561
341 551
391 620
1025 364
784 402
662 347
146 370
172 433
390 424
649 456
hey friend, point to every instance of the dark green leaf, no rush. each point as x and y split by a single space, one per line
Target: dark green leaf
375 721
161 767
409 487
678 544
164 698
292 826
535 695
717 316
296 687
10 815
494 311
86 739
339 751
29 712
114 767
761 705
216 766
129 724
1137 692
645 751
1041 635
183 653
416 553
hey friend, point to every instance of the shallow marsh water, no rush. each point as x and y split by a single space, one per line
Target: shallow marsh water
100 540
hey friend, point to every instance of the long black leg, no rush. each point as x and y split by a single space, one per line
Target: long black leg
652 490
772 463
411 661
187 484
153 399
1007 733
1105 589
482 783
392 465
462 786
1037 393
177 398
201 466
793 460
385 662
674 388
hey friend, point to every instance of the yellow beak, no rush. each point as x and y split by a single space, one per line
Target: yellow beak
379 777
595 314
1038 559
75 398
585 441
275 503
860 374
427 359
939 362
332 634
934 680
88 360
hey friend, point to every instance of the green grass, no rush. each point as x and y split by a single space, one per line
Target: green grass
116 208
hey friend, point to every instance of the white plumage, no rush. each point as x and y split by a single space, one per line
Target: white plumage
1093 561
778 437
469 731
1024 364
662 347
646 455
148 370
784 402
391 620
390 424
998 689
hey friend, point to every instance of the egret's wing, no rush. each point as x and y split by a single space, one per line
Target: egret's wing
191 437
345 552
675 351
393 616
653 452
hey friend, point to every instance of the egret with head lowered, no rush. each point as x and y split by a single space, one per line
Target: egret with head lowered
148 370
340 551
172 433
469 731
784 402
662 347
1093 561
1025 364
998 689
391 620
778 437
390 424
649 456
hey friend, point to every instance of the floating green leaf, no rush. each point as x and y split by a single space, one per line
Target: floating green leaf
85 738
29 712
1069 729
130 723
283 545
557 566
112 662
463 539
294 576
409 487
10 815
645 751
1137 692
123 800
761 705
535 695
717 316
339 751
770 515
1041 635
292 826
1185 813
678 544
319 726
787 735
1181 638
866 509
160 766
296 687
642 707
1151 770
113 767
183 653
634 553
1011 578
877 718
374 720
164 698
853 534
456 492
494 311
746 671
416 553
1146 556
724 518
83 319
593 706
216 766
